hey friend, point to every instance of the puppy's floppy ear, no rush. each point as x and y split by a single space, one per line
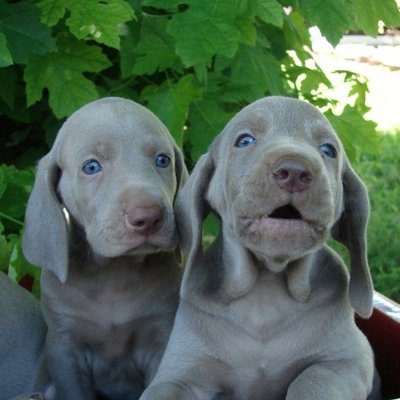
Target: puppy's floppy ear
181 171
45 240
190 211
350 230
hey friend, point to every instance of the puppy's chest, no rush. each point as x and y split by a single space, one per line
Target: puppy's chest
105 338
266 309
111 319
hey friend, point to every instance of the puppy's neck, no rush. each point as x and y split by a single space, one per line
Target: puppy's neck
273 264
297 273
242 269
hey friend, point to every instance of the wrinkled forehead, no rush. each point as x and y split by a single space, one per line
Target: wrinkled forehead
112 124
279 116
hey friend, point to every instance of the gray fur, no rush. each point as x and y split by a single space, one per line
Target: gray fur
109 294
22 338
267 312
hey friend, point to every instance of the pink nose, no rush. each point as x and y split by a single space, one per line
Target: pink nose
145 220
292 176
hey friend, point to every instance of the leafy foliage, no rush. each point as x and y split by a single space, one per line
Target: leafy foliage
368 13
194 63
15 187
62 74
22 31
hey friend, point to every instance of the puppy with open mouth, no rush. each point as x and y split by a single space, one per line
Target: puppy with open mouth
100 222
267 311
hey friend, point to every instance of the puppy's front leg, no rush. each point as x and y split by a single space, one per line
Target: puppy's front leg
72 380
344 380
167 391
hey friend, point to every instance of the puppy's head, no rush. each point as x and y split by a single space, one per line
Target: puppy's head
280 181
114 171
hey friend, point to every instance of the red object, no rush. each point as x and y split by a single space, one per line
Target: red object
27 282
383 332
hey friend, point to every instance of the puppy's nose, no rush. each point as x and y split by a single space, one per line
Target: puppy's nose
145 220
292 176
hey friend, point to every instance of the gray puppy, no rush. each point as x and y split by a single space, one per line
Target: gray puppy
22 339
267 312
100 222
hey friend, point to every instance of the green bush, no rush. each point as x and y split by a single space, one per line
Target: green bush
381 173
194 63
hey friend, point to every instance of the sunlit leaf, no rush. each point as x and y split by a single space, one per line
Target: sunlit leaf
98 19
332 17
369 12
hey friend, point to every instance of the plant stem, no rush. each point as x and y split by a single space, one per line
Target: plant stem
11 219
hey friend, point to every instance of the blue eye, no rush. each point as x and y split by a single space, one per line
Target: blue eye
245 140
329 150
91 167
162 160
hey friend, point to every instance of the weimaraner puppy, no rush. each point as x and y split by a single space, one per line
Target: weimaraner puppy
22 338
100 222
267 312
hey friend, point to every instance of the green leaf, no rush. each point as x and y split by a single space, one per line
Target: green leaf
356 133
19 24
269 11
170 102
360 89
206 119
69 90
155 55
19 267
52 11
15 195
247 30
295 32
3 183
155 50
99 19
5 55
62 74
331 17
207 28
255 71
15 189
201 73
129 40
369 12
312 80
8 86
163 4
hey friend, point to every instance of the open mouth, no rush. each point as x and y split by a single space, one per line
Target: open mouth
286 212
283 223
